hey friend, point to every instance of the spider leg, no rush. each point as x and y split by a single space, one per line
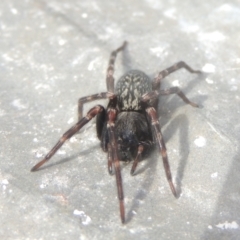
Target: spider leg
161 144
166 72
83 100
174 90
110 69
112 114
137 159
110 160
74 129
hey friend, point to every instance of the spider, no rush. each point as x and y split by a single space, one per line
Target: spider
129 127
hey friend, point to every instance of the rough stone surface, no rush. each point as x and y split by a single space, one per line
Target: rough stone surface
53 52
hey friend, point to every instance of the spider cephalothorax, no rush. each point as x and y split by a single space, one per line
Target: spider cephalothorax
129 126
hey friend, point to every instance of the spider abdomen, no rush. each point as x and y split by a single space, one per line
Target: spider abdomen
132 129
130 88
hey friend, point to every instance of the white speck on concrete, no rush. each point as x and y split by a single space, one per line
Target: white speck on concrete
62 42
187 26
7 58
192 28
225 7
214 175
209 68
42 86
73 139
84 15
17 103
133 212
35 140
170 13
78 59
61 152
42 26
39 155
70 121
232 81
14 11
233 84
208 80
132 231
209 227
176 83
92 64
157 51
215 36
228 225
200 141
84 218
4 182
39 152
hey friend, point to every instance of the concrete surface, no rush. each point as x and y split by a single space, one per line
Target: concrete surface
53 52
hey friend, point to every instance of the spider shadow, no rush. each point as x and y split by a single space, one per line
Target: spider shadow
180 123
227 203
70 158
60 15
147 182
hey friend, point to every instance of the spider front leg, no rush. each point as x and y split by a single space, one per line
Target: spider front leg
83 100
91 113
110 69
112 114
166 72
161 144
174 90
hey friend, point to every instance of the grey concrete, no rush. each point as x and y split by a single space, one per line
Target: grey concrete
53 52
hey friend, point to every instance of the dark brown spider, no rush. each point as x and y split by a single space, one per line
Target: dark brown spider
129 126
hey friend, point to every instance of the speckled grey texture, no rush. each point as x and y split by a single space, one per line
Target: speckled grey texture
53 52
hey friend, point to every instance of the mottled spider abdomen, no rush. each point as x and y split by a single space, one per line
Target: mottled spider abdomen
130 88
